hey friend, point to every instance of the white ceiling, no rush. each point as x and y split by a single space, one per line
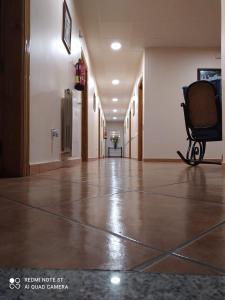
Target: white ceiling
138 24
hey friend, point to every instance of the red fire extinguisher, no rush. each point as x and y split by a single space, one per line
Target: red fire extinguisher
80 72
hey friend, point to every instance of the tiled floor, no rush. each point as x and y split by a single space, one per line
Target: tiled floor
116 214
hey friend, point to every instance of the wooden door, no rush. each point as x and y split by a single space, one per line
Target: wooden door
140 120
14 88
130 122
84 118
99 133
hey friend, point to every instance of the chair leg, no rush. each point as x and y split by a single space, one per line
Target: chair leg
195 153
188 161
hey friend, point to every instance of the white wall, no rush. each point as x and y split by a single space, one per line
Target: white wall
52 71
114 126
166 71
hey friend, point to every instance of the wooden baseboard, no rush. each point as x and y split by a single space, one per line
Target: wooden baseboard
173 160
93 159
158 160
223 165
45 167
70 162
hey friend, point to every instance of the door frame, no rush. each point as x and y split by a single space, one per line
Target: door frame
130 149
140 120
99 133
84 116
15 74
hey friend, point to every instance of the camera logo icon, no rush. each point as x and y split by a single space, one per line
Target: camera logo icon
14 283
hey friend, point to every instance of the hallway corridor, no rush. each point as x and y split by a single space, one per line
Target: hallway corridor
116 214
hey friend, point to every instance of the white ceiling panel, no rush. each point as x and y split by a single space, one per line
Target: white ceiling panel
140 24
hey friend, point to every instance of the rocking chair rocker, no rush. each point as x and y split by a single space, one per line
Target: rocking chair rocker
203 120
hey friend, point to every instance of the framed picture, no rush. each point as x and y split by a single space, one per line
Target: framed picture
105 134
67 27
208 74
94 102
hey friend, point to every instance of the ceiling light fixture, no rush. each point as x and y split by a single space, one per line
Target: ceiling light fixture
115 82
115 110
115 99
116 46
114 118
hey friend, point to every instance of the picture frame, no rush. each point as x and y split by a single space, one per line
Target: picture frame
105 134
67 27
94 102
208 74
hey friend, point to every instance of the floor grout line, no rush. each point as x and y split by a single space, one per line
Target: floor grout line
186 198
147 264
119 190
116 192
99 185
86 225
177 197
150 262
205 264
198 237
155 259
141 267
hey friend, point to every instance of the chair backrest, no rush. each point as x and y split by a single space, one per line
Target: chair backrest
202 106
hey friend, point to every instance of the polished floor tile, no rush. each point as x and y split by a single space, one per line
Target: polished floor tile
159 221
212 191
175 265
32 238
40 192
116 214
133 183
209 249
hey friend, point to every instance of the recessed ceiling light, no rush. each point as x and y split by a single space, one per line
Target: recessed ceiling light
116 46
115 110
115 99
114 118
115 82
